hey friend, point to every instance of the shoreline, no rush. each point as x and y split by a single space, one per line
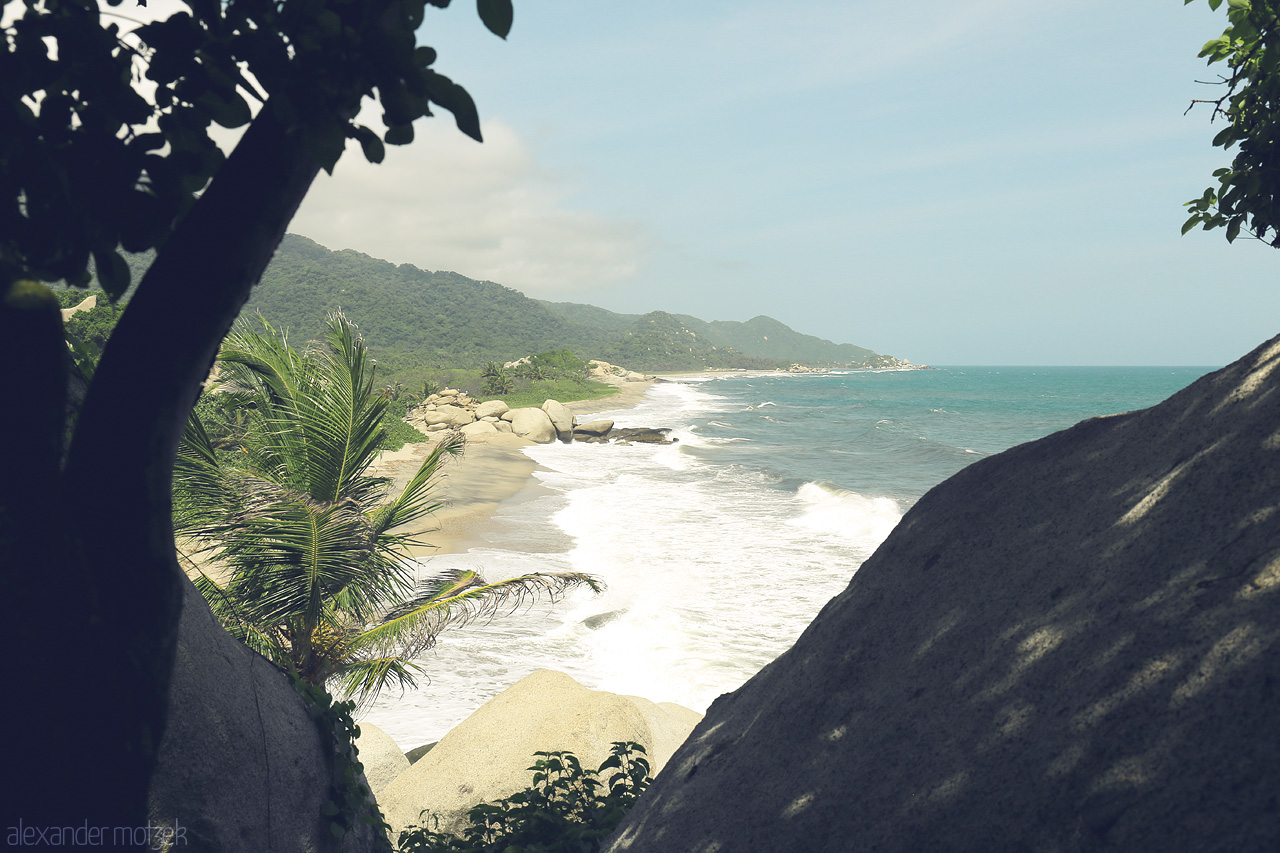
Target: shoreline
488 474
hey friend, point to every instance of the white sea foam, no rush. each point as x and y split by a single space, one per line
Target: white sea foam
861 519
692 551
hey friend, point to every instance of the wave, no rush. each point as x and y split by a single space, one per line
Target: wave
829 509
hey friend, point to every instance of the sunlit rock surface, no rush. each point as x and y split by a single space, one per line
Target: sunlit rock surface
1068 646
487 756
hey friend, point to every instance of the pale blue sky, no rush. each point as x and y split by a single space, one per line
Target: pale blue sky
950 181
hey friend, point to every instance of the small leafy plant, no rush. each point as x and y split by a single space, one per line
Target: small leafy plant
350 802
566 810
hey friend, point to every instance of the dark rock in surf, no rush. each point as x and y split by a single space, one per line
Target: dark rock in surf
647 435
601 619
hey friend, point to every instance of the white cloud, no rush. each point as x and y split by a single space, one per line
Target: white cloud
488 211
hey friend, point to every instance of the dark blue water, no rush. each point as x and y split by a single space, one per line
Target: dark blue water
898 433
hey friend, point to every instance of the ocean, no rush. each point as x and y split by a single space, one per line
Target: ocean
718 550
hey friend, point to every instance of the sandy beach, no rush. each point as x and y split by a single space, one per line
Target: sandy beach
488 473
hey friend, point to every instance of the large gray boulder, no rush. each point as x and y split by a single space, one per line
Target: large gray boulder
478 430
487 756
561 417
491 408
242 766
1071 645
532 424
454 416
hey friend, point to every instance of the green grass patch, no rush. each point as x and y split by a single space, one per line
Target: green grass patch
564 390
399 433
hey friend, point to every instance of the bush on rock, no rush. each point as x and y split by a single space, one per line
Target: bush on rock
566 810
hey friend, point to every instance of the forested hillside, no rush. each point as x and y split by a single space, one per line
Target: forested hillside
760 337
415 317
418 322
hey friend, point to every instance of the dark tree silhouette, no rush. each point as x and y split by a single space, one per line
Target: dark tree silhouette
89 166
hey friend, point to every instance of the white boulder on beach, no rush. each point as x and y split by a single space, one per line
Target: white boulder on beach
486 757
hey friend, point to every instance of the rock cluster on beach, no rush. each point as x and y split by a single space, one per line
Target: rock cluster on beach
553 421
486 757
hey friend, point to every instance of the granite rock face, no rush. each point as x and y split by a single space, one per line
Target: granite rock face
595 429
242 765
1072 645
561 417
533 424
491 408
382 759
486 757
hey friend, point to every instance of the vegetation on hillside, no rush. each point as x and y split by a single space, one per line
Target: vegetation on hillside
659 341
421 323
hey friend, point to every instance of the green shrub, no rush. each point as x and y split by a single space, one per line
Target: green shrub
566 810
398 432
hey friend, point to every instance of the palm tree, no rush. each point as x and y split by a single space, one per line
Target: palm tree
496 379
297 542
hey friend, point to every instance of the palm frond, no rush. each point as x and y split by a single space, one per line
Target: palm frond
200 491
461 596
225 604
364 679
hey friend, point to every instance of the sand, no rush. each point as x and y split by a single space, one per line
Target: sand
488 473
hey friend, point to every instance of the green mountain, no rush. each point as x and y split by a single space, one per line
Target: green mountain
429 319
662 341
420 321
760 337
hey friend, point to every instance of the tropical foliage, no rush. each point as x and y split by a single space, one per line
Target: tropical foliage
297 541
1247 196
567 809
497 380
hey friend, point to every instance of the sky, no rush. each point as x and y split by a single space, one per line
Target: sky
948 181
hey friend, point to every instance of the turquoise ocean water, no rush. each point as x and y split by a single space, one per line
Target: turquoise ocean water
718 550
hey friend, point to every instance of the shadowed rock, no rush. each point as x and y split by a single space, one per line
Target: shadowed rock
1071 645
418 751
647 435
561 417
242 765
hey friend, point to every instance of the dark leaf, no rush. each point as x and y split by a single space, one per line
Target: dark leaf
399 135
113 273
497 15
